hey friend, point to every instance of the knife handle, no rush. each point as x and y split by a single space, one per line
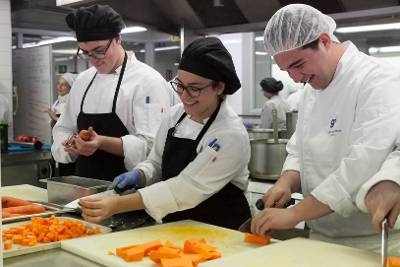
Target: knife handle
260 203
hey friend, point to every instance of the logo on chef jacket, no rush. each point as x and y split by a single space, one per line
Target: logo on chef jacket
332 129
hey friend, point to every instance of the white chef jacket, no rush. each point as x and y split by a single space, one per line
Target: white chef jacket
390 171
343 135
208 173
281 107
143 99
59 105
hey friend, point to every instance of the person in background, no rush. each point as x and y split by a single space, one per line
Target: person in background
197 168
346 129
271 89
119 100
64 85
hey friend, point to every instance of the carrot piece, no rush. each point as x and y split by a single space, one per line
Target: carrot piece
27 209
394 261
7 245
153 245
164 252
194 258
256 239
110 253
133 254
176 262
7 202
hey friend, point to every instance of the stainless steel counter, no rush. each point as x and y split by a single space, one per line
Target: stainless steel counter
49 258
25 167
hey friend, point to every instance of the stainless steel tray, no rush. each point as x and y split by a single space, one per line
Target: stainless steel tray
17 250
51 209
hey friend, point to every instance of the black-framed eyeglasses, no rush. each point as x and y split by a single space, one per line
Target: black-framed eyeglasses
193 91
95 54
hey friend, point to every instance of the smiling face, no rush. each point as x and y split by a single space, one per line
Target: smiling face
313 66
203 105
112 56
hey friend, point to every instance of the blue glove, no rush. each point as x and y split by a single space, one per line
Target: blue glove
127 179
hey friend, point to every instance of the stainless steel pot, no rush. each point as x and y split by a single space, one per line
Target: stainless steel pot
267 158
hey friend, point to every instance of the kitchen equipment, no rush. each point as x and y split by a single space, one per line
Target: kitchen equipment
74 204
384 246
267 158
300 252
64 189
264 133
291 121
228 242
17 250
246 226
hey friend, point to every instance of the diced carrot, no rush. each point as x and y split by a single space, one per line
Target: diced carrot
164 252
176 262
133 254
153 245
110 253
394 261
194 258
7 245
256 239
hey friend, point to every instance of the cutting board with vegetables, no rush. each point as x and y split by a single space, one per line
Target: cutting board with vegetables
300 252
96 248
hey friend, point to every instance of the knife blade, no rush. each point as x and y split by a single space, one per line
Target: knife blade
73 205
384 244
246 226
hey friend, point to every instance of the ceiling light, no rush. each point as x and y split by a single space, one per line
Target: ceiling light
64 51
133 29
384 49
369 28
259 39
163 48
259 53
50 41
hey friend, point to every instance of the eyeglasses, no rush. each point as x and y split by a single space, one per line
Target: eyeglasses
192 91
95 54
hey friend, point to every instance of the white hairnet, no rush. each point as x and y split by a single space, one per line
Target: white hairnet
69 77
294 26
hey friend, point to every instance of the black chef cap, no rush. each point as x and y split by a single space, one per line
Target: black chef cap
271 85
208 57
96 22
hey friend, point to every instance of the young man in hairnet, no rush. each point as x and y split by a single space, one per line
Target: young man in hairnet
347 127
120 100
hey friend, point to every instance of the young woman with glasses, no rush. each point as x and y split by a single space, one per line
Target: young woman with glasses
197 168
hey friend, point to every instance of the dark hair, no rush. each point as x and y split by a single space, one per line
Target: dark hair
214 85
312 45
271 85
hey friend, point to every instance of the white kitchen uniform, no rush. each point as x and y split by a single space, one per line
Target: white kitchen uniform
208 173
5 112
59 105
143 99
281 107
294 99
343 135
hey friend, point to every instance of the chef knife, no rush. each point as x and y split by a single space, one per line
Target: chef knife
384 244
246 226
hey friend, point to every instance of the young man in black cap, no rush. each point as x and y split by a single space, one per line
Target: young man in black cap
197 168
119 100
271 89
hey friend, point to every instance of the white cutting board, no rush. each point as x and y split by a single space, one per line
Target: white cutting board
25 191
95 248
300 252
